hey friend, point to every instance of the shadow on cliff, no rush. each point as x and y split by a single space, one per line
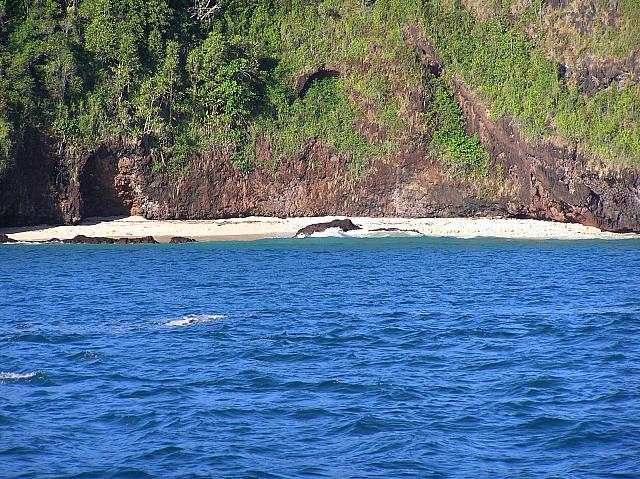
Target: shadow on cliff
33 187
40 187
98 191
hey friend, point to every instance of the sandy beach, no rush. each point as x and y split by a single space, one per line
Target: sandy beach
262 227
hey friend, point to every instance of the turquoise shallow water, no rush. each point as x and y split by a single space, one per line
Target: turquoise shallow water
338 358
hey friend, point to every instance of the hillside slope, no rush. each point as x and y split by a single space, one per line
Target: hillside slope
380 108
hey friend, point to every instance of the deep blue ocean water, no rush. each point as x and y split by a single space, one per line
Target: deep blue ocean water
337 358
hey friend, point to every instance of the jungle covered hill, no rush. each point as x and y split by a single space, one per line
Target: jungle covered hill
206 109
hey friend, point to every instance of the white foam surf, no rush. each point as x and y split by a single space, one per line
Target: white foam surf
16 376
328 233
383 233
33 242
190 319
362 233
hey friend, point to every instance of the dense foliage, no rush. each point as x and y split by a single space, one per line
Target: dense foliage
516 77
157 73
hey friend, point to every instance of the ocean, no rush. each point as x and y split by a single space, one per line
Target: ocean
321 358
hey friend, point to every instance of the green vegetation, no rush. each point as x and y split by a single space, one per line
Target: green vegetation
161 74
326 113
615 32
515 77
462 152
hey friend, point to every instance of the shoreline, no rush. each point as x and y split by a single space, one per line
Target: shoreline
254 227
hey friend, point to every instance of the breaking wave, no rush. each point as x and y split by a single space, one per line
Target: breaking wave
328 233
190 319
383 233
363 233
16 376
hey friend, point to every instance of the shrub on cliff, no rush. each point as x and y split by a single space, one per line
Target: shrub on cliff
184 83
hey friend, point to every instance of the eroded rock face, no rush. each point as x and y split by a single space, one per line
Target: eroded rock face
554 182
545 181
595 74
570 26
36 187
314 183
342 225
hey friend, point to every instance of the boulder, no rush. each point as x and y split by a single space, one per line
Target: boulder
82 239
6 239
181 239
143 240
343 225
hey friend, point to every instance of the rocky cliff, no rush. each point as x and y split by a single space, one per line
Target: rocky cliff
550 178
543 181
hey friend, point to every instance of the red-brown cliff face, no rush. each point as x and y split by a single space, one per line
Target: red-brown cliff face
554 181
315 182
551 182
545 181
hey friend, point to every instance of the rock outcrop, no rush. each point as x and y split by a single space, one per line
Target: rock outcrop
342 225
82 239
553 181
550 181
5 239
181 240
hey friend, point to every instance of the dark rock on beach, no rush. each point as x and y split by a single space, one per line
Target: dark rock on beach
343 225
6 239
181 239
143 240
82 239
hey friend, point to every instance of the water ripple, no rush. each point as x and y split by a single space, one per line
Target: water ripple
323 358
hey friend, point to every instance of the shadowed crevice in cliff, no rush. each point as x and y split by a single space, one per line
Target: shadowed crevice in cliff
35 188
306 80
100 196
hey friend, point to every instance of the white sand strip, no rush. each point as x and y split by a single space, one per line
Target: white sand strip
264 227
